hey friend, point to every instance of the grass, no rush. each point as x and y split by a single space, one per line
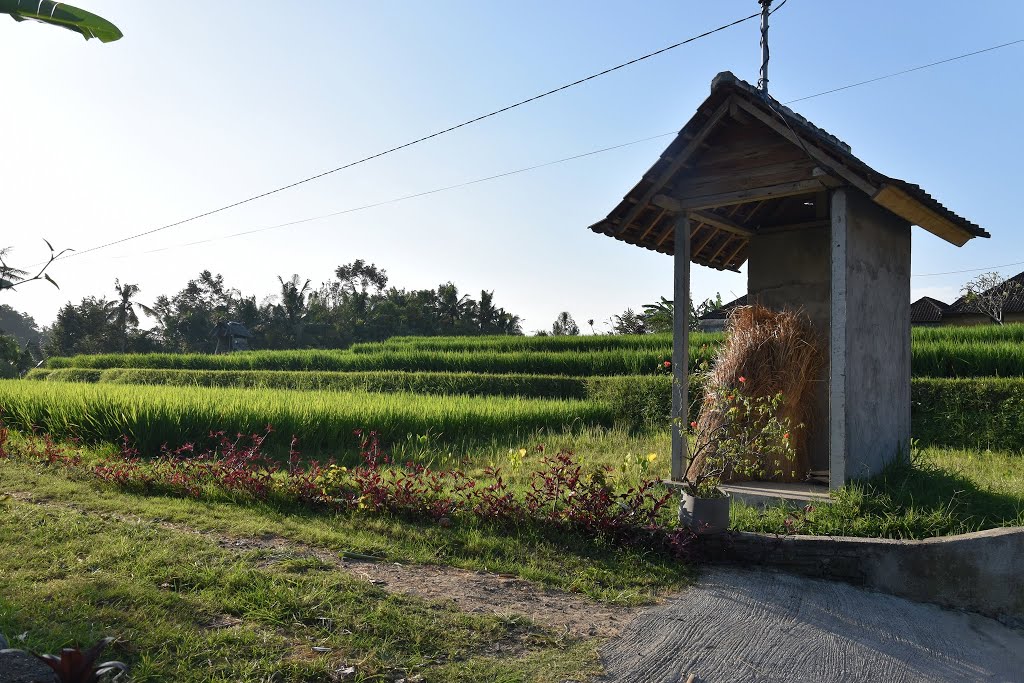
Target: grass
557 560
185 610
940 492
148 570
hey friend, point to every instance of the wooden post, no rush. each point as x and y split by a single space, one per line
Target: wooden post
680 346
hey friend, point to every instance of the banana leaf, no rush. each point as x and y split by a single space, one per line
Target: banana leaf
65 16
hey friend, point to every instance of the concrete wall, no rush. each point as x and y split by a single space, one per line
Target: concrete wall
870 342
979 572
791 270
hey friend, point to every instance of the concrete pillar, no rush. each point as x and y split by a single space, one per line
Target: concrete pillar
680 346
870 337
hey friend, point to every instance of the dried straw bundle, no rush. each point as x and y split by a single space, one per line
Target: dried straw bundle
775 352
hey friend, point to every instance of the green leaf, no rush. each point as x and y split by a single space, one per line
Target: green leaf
65 16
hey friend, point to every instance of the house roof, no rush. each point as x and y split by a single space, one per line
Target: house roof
927 310
233 329
1014 304
723 311
771 160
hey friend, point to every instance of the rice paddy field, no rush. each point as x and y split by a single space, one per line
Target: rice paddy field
225 587
467 392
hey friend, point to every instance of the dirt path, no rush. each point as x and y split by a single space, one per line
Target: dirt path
481 592
746 626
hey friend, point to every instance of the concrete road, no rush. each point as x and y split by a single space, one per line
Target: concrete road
737 625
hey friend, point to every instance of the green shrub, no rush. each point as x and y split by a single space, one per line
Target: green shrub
974 413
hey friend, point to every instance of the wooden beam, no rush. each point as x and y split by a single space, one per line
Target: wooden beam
651 226
735 113
680 348
819 155
677 163
732 255
721 222
913 211
707 240
728 238
755 194
787 227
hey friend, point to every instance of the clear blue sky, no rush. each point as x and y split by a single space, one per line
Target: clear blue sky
202 104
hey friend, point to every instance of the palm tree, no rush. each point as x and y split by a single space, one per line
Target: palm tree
121 312
294 306
486 313
450 306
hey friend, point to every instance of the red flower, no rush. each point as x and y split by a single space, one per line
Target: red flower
742 379
786 435
693 424
667 364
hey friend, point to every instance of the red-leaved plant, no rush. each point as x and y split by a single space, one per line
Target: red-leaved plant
561 493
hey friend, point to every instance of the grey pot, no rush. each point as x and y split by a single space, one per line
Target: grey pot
704 515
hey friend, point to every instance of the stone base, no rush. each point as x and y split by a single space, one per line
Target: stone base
764 493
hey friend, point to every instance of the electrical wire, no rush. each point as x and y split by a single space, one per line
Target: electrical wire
905 71
436 134
571 158
405 197
969 270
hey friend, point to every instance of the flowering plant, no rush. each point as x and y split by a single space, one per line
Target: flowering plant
738 436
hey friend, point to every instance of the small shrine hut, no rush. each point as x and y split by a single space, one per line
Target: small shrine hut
748 180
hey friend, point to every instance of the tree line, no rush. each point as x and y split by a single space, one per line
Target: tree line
357 305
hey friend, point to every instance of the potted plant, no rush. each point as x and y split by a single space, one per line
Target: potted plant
738 436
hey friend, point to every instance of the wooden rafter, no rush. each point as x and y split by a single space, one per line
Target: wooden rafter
754 194
728 238
728 259
677 163
650 227
707 240
721 222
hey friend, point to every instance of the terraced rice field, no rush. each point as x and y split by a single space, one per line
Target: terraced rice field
968 388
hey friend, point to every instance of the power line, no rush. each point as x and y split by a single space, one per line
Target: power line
572 158
418 140
411 196
969 270
906 71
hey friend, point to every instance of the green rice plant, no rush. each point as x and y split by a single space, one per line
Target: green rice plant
324 421
576 363
967 359
387 381
1013 332
656 342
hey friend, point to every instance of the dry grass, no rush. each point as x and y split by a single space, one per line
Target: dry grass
775 352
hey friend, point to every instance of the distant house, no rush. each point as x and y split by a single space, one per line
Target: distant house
714 321
231 336
927 311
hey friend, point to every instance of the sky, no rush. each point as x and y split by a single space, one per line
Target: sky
203 104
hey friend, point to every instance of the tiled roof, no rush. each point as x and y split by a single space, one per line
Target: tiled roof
645 216
927 310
